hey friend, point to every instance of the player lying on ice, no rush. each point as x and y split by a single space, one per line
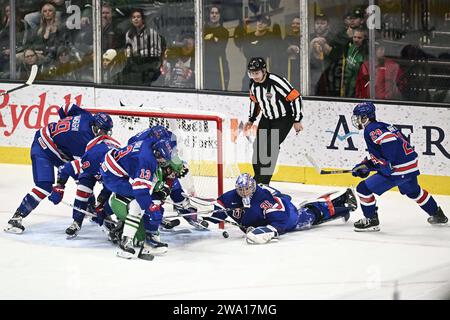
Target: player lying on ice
264 213
396 164
53 146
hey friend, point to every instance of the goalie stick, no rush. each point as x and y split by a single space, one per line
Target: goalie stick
322 171
33 73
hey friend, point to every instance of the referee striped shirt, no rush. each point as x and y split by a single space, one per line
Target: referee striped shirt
275 97
145 43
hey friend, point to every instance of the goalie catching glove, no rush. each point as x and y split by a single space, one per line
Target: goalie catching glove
261 235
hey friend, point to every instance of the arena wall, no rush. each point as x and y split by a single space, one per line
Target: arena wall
329 136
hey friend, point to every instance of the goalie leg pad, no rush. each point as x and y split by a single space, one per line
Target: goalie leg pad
261 235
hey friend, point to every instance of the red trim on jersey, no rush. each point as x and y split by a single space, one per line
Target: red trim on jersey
83 194
401 169
141 183
330 205
368 199
99 139
423 197
387 136
113 165
48 139
38 193
219 202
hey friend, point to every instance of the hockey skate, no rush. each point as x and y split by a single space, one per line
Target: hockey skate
126 249
15 224
439 218
367 224
115 233
73 229
169 224
153 245
351 201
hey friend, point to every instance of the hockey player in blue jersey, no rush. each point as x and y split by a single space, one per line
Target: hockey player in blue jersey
53 146
264 212
130 172
87 171
396 164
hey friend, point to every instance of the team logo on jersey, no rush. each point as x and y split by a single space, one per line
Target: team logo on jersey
237 213
269 95
266 205
85 165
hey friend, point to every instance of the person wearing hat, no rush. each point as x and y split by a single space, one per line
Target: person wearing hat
111 68
259 44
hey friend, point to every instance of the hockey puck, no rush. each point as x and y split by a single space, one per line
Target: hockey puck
225 234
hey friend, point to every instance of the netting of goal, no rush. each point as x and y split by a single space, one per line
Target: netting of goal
203 141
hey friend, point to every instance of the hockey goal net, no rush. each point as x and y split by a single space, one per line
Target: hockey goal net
202 141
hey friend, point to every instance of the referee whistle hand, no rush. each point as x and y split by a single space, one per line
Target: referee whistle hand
298 127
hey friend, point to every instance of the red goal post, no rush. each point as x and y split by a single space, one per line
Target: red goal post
134 115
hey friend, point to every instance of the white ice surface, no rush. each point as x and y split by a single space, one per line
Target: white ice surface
408 258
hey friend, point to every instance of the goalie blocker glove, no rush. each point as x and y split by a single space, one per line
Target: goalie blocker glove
261 235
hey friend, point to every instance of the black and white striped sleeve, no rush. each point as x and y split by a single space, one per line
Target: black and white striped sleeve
291 95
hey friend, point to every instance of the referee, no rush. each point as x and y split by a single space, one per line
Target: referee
280 105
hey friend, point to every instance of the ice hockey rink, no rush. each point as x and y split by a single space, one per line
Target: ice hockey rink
407 259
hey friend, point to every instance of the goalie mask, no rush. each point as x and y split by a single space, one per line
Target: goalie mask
245 188
362 114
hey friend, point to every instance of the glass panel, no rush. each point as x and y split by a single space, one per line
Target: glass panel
415 40
58 37
245 29
149 43
411 56
338 46
5 14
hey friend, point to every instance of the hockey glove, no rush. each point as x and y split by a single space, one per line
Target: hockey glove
261 235
162 193
184 171
361 170
57 194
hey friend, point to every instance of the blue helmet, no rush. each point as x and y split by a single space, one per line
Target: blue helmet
102 122
245 187
164 149
364 110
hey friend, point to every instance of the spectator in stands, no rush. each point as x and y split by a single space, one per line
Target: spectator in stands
111 37
111 70
24 69
258 44
182 69
50 35
145 49
388 81
5 15
33 19
65 68
355 57
292 61
321 56
216 70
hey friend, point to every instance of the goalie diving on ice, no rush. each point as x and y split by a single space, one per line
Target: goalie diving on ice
264 212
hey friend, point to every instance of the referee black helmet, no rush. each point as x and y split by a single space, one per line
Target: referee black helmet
256 64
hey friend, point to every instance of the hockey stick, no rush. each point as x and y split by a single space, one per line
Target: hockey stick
321 171
89 214
33 73
200 201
